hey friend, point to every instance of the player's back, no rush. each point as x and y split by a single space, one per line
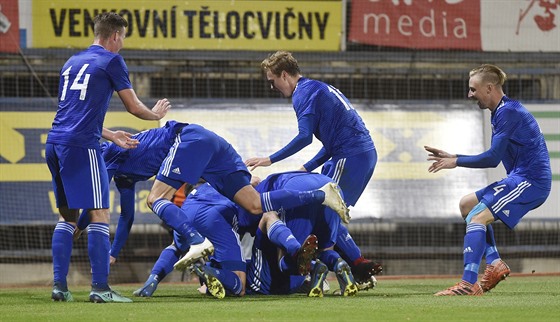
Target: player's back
145 160
527 154
87 82
337 124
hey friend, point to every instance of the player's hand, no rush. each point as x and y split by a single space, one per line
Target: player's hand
161 107
257 162
442 163
124 140
433 152
112 260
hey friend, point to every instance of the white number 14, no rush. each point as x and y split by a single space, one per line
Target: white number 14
76 85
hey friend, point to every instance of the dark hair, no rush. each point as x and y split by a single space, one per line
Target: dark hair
107 23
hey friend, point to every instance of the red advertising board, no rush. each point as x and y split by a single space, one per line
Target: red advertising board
426 24
9 26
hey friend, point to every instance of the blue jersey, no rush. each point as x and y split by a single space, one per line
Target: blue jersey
336 123
518 143
143 162
87 82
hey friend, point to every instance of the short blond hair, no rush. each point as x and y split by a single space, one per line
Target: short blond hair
280 61
490 74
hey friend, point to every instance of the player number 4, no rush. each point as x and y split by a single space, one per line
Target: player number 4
76 85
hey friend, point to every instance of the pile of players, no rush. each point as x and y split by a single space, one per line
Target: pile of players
295 217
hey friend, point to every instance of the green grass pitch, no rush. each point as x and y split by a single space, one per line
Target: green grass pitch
519 298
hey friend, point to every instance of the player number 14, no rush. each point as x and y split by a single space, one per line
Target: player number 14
76 85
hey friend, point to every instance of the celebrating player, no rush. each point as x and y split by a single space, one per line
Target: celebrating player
517 142
87 82
348 154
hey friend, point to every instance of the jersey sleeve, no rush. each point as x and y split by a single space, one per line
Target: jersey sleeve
505 125
302 139
118 73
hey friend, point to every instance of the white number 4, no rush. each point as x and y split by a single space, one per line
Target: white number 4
76 85
498 189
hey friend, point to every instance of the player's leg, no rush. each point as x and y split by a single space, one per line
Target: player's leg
62 241
162 267
473 250
256 203
362 268
493 260
227 264
159 200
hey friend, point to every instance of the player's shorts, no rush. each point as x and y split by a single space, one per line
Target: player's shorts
79 177
351 173
208 220
199 153
512 198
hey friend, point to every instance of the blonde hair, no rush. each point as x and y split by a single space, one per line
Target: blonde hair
490 74
281 61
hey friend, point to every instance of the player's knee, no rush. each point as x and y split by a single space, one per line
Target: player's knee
479 208
150 201
465 207
252 206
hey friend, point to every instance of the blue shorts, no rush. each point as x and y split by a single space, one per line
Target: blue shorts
200 153
79 177
351 173
209 221
512 198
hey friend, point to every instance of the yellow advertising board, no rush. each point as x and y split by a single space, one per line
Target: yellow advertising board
196 25
23 136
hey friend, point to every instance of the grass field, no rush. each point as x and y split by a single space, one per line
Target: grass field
519 298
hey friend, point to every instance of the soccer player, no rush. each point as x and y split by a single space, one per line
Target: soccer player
202 154
129 166
348 154
270 275
518 143
87 82
212 215
216 218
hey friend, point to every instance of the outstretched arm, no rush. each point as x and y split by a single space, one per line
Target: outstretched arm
127 195
303 139
135 107
487 159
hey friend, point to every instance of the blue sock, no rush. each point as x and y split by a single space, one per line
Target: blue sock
473 249
329 257
175 218
282 236
83 220
346 246
164 265
98 249
229 279
288 199
62 240
491 252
